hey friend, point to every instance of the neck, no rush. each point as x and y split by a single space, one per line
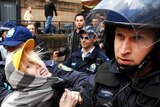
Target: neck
86 50
78 29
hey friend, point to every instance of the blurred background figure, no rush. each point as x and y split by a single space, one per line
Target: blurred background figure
5 27
5 89
3 52
39 44
73 40
49 8
28 15
100 30
95 22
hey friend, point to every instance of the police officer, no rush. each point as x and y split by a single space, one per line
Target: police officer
89 57
132 77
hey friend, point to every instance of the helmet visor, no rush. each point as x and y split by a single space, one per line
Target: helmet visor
143 16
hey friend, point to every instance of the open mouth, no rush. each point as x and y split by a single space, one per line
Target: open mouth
43 72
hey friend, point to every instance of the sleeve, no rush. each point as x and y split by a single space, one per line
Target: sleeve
31 16
66 48
3 52
25 15
87 92
64 51
68 61
58 91
80 81
74 77
51 66
54 8
103 56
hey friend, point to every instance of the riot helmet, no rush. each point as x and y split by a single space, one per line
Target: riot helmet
136 15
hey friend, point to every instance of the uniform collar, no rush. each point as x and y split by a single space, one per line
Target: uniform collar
84 55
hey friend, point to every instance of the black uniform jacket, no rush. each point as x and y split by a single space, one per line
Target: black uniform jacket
114 89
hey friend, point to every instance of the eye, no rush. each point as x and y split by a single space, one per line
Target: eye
27 66
119 35
139 37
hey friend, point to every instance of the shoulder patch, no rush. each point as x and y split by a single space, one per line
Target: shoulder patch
64 67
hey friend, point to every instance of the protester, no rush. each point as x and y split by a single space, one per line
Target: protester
49 9
28 15
73 41
33 84
39 44
90 56
15 39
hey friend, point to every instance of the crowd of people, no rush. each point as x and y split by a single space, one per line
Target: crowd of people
126 74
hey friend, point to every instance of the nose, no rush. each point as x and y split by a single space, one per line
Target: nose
37 66
125 47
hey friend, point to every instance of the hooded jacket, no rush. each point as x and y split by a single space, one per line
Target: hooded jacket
29 90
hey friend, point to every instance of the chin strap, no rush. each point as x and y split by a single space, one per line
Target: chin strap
132 69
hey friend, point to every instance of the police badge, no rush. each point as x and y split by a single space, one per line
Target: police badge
92 68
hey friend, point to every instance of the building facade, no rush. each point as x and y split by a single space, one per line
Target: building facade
15 9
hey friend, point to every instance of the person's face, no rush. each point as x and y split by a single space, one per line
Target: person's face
94 22
97 15
79 22
47 0
102 18
4 34
127 50
36 69
86 41
13 48
29 9
31 29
